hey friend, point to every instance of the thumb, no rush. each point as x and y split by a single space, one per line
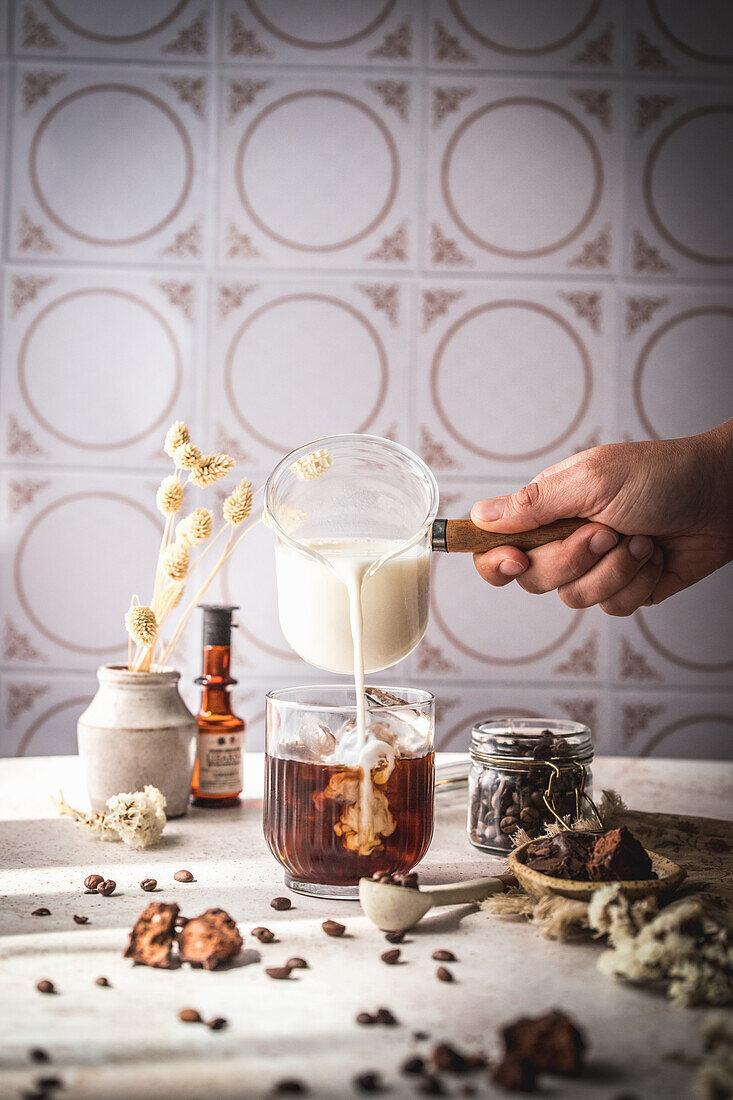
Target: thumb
559 495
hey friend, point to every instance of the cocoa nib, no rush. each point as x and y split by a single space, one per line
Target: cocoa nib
151 939
209 940
552 1043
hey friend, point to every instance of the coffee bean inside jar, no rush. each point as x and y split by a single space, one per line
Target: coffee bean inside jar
526 773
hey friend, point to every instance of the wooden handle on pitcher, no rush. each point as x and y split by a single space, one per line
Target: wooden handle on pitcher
461 536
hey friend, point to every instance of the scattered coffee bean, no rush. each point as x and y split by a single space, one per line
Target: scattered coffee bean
444 975
264 935
391 957
366 1018
443 956
368 1082
39 1056
420 1036
469 1090
400 879
413 1066
80 920
333 928
281 904
296 963
217 1023
429 1085
384 1016
45 986
279 973
107 887
92 882
394 937
148 885
47 1084
289 1086
103 982
189 1016
34 1094
42 912
184 876
446 1057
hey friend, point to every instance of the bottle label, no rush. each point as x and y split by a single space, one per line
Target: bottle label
220 763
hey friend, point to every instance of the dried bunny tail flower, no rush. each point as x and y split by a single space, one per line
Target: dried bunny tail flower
238 504
311 466
187 456
182 536
169 497
175 437
210 469
172 594
141 625
175 561
198 526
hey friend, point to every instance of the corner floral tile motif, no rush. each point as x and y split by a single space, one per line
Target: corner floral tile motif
352 338
145 30
668 37
321 33
676 340
523 175
39 714
101 535
527 35
674 724
483 348
125 372
680 197
354 203
108 164
480 633
457 712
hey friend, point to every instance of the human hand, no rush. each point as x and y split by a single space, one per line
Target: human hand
660 518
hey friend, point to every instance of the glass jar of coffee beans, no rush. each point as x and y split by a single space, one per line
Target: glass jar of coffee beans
526 773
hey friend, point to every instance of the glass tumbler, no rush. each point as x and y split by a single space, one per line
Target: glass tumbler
334 810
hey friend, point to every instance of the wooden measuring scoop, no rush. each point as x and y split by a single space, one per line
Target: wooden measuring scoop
397 908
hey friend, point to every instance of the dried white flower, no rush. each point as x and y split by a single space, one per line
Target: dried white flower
195 528
175 437
141 625
211 468
175 561
238 505
137 818
169 496
187 456
311 466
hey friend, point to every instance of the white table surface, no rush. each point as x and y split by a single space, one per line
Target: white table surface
126 1041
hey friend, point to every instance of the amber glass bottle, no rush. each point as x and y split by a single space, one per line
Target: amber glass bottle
217 776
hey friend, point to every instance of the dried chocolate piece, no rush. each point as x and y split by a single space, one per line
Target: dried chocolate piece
151 938
80 920
107 887
189 1016
552 1043
45 986
42 912
281 904
443 956
391 957
91 882
333 928
264 935
443 974
515 1074
618 855
148 885
184 876
209 940
565 855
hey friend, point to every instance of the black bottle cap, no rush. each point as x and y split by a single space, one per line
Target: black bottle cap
217 623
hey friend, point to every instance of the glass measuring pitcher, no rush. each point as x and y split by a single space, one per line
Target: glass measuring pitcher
370 514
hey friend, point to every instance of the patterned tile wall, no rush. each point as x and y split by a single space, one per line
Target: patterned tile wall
498 233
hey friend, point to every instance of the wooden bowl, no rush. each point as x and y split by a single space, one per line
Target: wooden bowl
669 877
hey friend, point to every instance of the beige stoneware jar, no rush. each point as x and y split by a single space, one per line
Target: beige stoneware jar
137 730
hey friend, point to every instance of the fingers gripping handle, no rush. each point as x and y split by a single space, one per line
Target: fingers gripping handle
461 536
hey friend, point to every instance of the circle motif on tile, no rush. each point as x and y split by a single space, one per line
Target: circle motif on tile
480 373
687 725
688 184
303 186
134 20
251 578
346 23
77 565
512 627
525 28
111 164
78 704
81 344
304 366
688 354
693 629
506 198
700 30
